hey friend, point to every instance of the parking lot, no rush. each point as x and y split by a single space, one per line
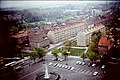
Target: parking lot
70 69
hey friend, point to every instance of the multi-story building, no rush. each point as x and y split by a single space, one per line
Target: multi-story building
66 32
38 38
84 37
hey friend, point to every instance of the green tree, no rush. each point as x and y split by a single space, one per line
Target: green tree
92 47
68 44
65 53
107 32
95 37
41 52
33 56
55 52
92 56
20 55
83 56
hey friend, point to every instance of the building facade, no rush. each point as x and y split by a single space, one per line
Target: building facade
104 45
38 38
84 37
66 32
21 38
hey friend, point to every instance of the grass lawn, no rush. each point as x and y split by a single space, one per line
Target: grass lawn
76 52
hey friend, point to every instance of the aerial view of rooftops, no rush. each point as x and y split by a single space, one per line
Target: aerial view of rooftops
59 40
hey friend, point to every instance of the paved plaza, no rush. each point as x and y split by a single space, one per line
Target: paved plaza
79 72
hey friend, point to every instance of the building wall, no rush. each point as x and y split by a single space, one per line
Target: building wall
84 37
38 38
64 34
102 50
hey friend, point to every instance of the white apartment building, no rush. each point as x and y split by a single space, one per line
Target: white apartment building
84 37
66 32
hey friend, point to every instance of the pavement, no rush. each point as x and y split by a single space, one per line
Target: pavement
80 72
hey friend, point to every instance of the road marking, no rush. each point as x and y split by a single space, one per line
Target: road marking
81 70
87 72
29 74
90 73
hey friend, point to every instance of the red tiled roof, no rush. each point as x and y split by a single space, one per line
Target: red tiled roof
104 41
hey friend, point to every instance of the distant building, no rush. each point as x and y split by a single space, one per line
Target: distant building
84 37
68 31
38 38
97 12
104 45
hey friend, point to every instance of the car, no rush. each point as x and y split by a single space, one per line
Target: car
18 68
83 63
95 73
66 66
63 66
55 65
103 67
89 64
93 65
60 66
59 59
69 67
78 63
53 59
50 63
72 68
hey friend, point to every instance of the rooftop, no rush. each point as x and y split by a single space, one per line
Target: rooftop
104 41
20 34
92 29
77 24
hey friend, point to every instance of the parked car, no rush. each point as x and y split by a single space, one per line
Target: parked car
72 68
69 67
55 64
83 63
103 67
63 66
59 59
66 66
95 73
89 64
54 59
18 68
50 63
93 65
60 66
78 63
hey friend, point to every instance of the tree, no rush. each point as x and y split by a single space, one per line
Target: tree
55 52
83 56
92 47
41 52
65 53
68 45
33 56
9 27
107 32
92 56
